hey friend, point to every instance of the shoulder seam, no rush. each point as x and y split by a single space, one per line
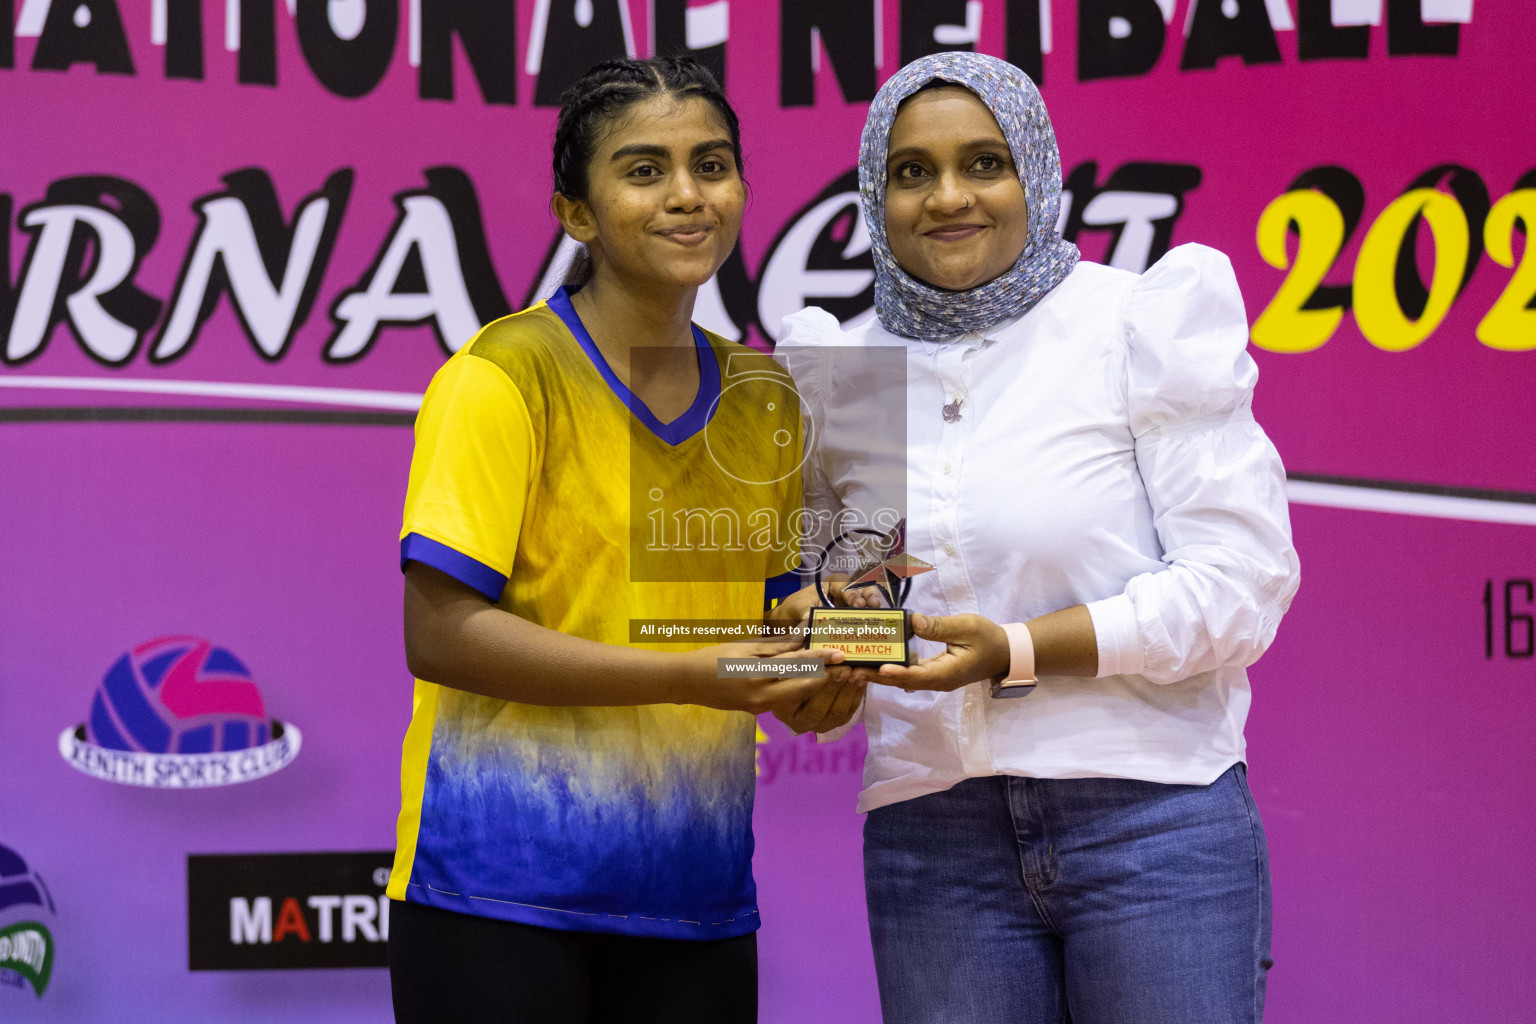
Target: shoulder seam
511 381
469 346
541 304
1114 272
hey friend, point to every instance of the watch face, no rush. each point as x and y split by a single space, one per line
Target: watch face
1014 688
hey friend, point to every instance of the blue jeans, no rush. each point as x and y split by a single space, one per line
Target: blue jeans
1008 900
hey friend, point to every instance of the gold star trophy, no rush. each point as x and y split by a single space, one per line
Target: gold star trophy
869 636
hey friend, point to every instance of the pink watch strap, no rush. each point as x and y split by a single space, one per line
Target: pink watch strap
1020 679
1021 650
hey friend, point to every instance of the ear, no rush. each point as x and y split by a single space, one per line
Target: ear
575 217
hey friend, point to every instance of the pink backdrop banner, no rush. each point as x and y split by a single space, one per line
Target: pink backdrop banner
238 238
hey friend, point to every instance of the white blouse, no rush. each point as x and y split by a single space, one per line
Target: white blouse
1104 453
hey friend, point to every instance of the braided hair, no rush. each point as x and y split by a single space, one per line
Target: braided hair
600 97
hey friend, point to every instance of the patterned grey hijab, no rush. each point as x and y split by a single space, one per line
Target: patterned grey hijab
905 305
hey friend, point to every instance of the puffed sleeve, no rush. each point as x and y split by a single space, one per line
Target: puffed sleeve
802 339
1214 481
800 350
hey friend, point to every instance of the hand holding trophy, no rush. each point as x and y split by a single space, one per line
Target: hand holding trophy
868 636
844 614
874 637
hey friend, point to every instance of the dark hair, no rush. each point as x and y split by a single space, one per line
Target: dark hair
602 95
939 83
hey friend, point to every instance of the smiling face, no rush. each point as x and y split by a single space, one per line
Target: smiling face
955 212
664 195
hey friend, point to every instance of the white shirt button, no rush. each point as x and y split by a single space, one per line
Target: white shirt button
949 549
947 467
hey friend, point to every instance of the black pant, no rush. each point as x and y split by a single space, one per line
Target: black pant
449 968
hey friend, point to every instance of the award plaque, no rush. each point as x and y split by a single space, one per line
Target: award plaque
869 636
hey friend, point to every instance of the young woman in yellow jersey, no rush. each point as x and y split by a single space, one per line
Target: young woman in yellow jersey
575 833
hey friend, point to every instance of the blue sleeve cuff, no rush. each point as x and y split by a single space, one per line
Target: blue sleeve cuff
477 575
781 586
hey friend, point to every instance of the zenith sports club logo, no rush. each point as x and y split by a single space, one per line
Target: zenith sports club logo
26 945
179 713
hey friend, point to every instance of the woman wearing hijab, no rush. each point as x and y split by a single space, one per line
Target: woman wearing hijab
1083 469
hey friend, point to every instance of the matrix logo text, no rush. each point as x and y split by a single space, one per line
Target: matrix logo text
282 911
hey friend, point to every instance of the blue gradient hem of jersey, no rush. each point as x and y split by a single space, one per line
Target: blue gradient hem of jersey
468 571
746 921
530 833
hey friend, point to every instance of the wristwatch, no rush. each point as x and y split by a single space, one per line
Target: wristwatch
1020 680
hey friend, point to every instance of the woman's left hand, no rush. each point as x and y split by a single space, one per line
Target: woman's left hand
831 706
976 648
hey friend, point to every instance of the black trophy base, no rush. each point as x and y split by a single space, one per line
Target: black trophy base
868 637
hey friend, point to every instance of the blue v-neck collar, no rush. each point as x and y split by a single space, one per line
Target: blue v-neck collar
680 429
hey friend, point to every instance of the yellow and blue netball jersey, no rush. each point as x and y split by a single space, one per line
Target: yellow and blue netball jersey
541 482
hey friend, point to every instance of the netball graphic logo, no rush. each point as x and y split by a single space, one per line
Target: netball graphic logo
26 945
179 713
